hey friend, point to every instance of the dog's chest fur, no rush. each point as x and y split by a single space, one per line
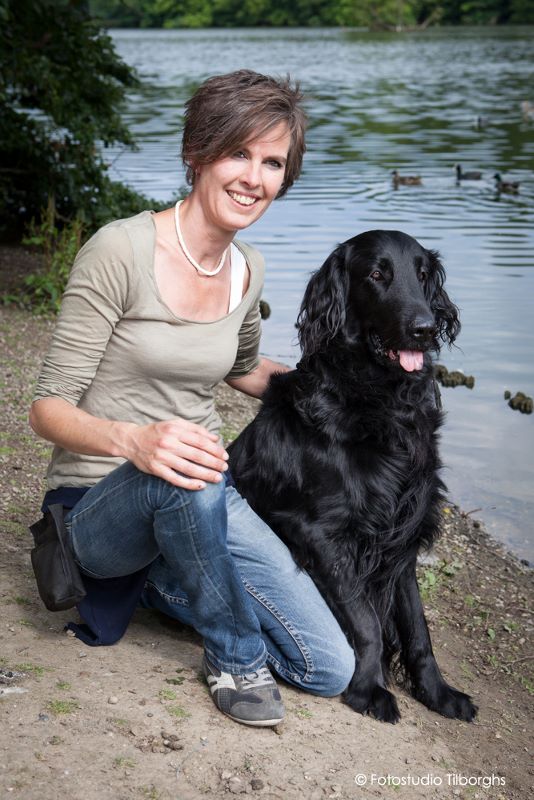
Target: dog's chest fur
355 462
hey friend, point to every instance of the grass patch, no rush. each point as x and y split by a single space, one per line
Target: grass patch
33 669
150 792
178 712
120 723
431 578
59 707
63 685
167 694
124 763
22 601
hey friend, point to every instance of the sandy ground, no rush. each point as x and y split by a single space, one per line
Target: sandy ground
136 721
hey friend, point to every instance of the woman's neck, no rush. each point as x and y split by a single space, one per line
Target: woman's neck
205 241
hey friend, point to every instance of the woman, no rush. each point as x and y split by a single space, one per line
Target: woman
158 309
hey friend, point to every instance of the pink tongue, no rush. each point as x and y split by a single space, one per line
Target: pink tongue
411 360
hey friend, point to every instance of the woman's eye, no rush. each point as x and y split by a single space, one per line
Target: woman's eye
274 163
240 154
377 275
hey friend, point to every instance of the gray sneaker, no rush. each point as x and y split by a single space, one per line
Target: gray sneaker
252 699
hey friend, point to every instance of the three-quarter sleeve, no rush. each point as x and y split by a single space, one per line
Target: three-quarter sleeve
94 301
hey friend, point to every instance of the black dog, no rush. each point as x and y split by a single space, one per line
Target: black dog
342 459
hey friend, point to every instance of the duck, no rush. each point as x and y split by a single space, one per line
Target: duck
466 176
405 180
510 187
480 122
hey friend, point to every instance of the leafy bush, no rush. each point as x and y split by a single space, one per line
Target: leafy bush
42 291
62 88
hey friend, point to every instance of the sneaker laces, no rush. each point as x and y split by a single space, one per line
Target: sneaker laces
258 678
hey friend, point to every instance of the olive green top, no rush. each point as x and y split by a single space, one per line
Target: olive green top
119 353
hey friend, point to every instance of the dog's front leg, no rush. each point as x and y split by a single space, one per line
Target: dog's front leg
367 691
427 683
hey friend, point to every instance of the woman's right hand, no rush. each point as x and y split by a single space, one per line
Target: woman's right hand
181 452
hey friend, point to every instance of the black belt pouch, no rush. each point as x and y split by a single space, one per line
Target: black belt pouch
58 576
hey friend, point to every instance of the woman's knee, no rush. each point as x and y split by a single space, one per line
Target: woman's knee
333 669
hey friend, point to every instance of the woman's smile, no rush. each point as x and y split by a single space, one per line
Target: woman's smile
242 199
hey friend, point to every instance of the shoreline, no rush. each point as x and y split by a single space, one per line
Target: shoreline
109 706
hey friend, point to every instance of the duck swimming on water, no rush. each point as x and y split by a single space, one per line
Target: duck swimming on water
405 180
466 176
509 187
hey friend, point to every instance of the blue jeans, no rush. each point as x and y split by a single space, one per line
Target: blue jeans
217 567
130 518
305 644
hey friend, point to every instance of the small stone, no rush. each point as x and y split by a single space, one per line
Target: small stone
226 775
113 700
256 784
70 634
174 745
150 714
336 787
236 786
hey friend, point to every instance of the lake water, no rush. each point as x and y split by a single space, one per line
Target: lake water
379 102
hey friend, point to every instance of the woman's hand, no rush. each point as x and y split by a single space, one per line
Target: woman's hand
181 452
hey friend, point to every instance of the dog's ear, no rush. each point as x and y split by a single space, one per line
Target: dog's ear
322 313
445 312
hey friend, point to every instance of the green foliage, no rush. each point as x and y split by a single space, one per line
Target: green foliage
178 712
59 707
377 14
43 290
62 88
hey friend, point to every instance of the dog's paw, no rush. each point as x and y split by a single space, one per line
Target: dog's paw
448 702
376 701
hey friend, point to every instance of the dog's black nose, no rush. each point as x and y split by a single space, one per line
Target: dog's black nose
422 328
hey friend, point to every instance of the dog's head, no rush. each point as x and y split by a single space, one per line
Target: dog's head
384 290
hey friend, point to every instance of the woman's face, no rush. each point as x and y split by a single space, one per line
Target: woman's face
236 190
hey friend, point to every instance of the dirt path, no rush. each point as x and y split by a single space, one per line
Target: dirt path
135 720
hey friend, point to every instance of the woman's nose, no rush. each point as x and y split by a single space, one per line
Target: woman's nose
251 173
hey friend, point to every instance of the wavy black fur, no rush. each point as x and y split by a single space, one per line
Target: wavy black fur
342 460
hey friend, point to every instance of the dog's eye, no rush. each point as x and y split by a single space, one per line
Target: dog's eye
377 275
423 276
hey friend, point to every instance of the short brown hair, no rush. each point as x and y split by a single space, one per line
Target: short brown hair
226 111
